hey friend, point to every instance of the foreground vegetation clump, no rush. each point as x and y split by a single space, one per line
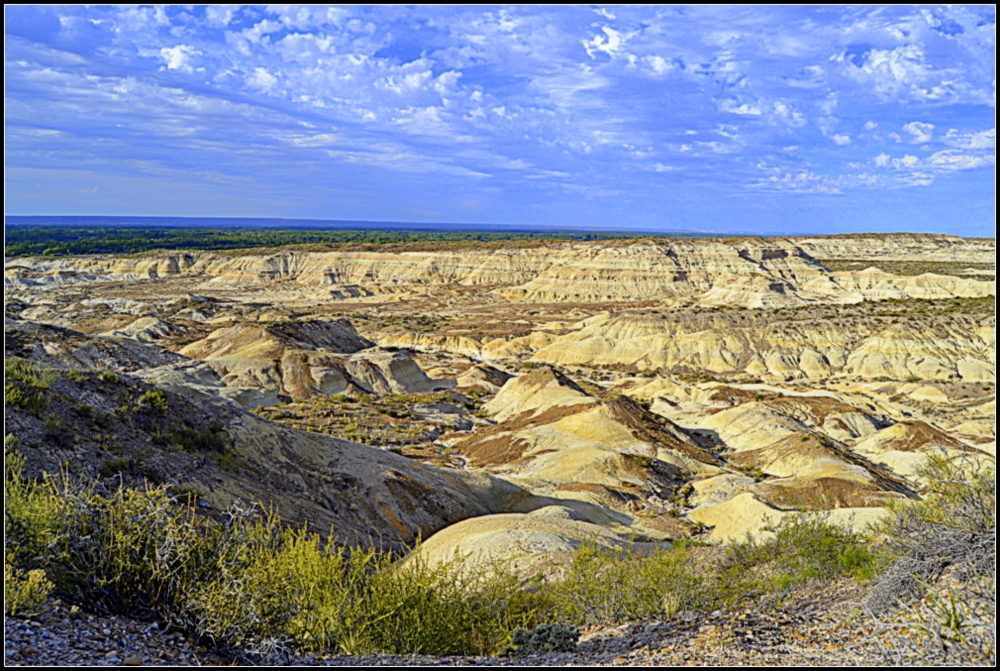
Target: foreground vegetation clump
543 638
249 583
25 384
24 593
252 584
604 585
935 599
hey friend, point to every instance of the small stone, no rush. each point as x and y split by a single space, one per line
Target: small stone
133 660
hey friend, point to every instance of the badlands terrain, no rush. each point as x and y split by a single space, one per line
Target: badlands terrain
518 401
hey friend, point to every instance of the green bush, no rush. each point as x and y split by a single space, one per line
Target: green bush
613 585
155 400
250 583
935 600
24 592
543 638
26 385
801 548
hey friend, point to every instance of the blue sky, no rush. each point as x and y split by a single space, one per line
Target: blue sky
760 119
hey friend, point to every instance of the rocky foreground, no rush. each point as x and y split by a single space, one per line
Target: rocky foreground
816 627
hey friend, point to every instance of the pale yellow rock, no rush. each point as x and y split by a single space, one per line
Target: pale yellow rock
147 329
750 272
522 542
535 392
745 516
718 489
738 518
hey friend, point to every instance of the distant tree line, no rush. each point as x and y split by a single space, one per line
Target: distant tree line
62 241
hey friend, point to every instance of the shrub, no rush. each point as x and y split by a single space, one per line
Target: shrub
114 466
249 583
802 547
24 593
613 585
935 600
26 384
155 400
543 638
57 431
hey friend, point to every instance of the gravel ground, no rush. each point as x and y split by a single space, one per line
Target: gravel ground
809 629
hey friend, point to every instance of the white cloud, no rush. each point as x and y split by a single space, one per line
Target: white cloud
658 64
404 82
261 80
921 132
220 16
841 139
788 114
890 72
986 139
744 109
950 159
179 57
870 125
798 181
828 104
609 45
319 140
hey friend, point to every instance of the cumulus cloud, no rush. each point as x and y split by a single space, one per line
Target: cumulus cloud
921 132
609 44
950 159
788 114
743 109
658 64
261 80
220 16
179 57
986 139
889 72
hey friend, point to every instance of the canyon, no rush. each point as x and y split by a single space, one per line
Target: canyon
518 400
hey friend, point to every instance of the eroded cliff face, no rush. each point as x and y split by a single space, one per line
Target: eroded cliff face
901 247
746 273
793 346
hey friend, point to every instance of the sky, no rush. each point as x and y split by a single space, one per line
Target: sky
753 119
